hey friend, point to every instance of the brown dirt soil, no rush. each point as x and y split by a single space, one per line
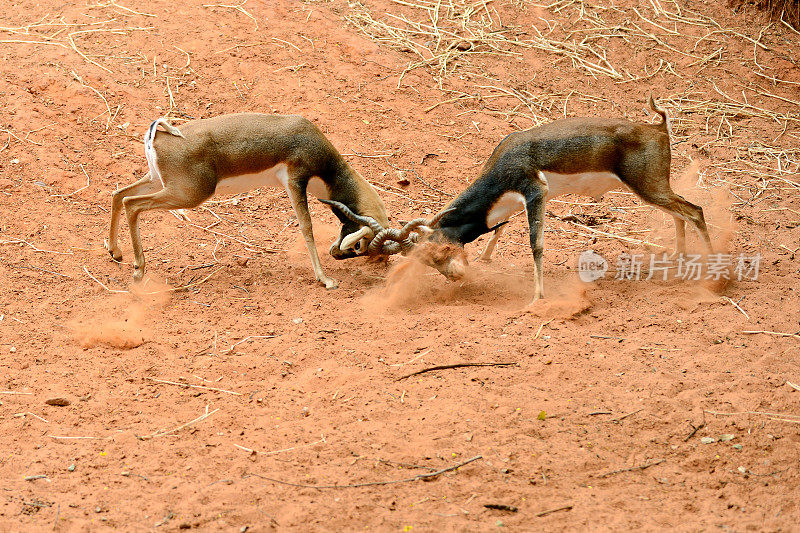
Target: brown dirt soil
221 392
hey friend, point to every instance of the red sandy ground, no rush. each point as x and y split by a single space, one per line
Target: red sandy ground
301 385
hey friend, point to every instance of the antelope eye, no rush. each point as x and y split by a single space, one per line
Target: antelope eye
360 246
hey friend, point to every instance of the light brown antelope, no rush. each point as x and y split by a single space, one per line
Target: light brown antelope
231 154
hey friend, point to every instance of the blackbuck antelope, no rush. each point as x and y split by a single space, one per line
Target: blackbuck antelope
231 154
587 156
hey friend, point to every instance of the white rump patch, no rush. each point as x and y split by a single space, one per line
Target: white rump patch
593 184
509 203
150 151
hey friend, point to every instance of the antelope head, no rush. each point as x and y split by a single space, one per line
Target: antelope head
417 237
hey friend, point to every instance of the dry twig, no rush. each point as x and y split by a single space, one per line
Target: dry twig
554 510
161 433
194 386
426 475
457 365
631 469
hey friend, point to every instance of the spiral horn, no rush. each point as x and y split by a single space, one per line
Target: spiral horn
392 241
364 220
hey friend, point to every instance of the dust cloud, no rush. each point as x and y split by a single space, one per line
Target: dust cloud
120 321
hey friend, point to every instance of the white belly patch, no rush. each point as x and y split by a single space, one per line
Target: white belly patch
593 184
277 176
509 203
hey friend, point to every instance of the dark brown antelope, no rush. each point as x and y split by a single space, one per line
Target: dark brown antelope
587 156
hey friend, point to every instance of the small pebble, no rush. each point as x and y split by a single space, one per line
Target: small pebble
13 349
708 440
737 446
71 467
61 402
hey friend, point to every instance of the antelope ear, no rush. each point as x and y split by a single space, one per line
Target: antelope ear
351 240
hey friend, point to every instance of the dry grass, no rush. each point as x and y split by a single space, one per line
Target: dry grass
440 35
786 11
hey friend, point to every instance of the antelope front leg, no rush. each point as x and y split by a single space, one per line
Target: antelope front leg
535 208
486 256
297 194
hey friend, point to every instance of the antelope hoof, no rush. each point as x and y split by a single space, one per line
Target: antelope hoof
329 283
113 251
138 274
485 259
